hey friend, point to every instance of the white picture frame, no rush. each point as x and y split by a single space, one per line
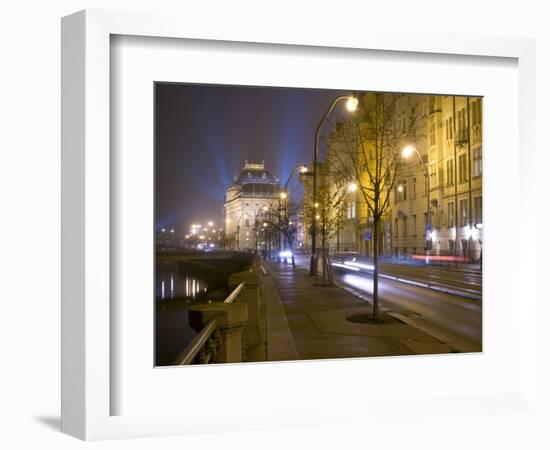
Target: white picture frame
86 245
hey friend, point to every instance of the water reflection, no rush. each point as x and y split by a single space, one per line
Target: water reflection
173 284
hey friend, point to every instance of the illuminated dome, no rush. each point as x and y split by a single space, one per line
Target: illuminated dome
256 180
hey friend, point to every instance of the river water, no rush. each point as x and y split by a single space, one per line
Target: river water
177 287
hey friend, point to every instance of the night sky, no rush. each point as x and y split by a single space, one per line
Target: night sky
204 133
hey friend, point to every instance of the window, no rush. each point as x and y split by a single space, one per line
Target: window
450 214
462 126
413 193
246 223
401 191
477 169
450 172
462 166
478 210
476 112
414 225
463 206
433 177
405 227
352 210
396 226
432 134
449 128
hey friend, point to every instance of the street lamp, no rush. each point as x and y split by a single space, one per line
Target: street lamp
352 187
351 105
407 152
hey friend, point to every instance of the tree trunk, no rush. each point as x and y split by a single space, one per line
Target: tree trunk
323 266
375 250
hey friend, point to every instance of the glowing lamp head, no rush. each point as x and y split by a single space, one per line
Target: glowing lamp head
407 151
303 169
352 187
210 224
400 188
351 104
264 208
283 195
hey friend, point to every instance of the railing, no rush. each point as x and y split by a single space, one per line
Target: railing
205 345
231 298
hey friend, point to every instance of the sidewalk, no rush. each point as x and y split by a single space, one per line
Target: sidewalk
316 317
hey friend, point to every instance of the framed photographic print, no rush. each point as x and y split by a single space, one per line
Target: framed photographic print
269 220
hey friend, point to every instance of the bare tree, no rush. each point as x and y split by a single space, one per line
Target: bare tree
281 221
329 214
366 150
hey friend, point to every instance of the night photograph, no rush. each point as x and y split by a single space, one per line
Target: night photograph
303 224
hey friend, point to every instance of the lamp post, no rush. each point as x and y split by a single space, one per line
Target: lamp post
351 106
407 152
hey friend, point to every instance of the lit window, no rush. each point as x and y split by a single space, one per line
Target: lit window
477 163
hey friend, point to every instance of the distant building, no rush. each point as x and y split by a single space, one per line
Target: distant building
252 190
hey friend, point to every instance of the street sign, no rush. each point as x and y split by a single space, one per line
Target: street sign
367 235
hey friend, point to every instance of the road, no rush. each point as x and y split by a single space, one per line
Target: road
453 319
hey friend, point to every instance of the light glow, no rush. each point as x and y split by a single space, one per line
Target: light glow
351 104
407 151
285 254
